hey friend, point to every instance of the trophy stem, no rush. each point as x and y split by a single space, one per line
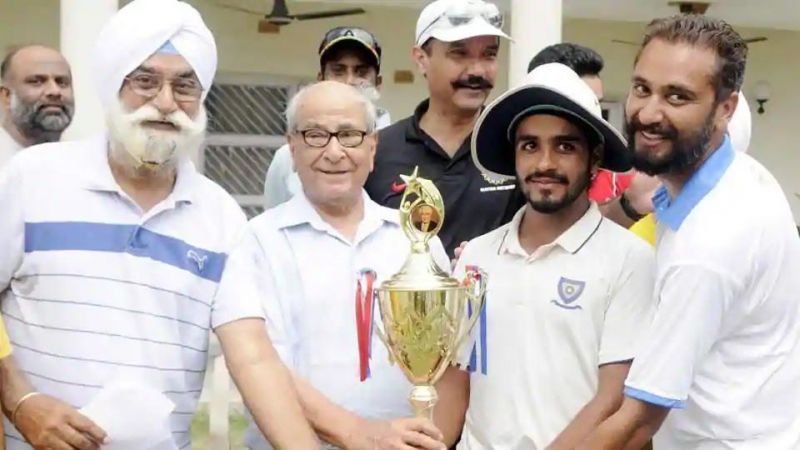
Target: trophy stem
423 398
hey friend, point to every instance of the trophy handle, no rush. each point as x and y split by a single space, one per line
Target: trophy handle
476 281
378 332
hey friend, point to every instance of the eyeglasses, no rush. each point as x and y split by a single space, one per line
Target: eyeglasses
464 12
317 138
149 85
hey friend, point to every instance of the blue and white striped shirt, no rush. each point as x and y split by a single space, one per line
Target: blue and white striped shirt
93 289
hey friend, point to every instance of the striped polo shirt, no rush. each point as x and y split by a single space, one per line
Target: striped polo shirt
94 290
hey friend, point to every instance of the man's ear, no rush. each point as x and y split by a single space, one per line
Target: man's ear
727 107
596 158
420 58
373 144
378 81
320 76
5 99
290 143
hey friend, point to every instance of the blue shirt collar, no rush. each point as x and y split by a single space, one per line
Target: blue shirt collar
673 212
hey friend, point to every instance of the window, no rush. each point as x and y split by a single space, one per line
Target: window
246 124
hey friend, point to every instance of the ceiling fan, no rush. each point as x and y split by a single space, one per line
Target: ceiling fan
691 8
280 16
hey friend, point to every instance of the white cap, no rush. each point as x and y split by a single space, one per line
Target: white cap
549 89
432 23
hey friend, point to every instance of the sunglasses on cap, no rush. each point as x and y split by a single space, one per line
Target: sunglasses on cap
362 36
465 12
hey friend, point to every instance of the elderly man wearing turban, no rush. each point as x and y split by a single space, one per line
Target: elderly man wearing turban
111 251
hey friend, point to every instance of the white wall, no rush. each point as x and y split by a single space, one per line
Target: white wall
292 53
28 21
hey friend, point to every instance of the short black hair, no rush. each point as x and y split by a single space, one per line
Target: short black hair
5 65
705 32
582 60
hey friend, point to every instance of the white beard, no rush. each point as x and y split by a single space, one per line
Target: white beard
151 147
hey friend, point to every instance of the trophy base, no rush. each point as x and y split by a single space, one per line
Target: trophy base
423 398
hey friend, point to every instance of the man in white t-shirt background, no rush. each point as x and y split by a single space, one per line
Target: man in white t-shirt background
36 98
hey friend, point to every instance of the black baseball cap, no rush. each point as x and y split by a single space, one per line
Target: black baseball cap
360 36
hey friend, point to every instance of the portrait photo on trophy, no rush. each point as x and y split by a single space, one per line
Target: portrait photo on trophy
425 218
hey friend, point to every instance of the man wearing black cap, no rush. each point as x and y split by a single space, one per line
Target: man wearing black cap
567 289
346 54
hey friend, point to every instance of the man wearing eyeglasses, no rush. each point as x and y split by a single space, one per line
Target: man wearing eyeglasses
311 261
112 249
347 54
456 48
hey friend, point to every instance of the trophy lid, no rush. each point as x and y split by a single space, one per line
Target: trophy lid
421 217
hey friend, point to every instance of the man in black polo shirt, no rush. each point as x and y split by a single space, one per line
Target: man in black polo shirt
457 42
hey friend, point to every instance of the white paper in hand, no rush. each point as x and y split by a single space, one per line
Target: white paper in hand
135 417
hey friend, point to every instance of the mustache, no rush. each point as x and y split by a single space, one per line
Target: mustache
473 82
552 174
148 113
61 106
667 131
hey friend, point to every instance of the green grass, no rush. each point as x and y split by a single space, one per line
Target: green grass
238 425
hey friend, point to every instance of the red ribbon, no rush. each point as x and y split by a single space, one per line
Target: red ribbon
364 303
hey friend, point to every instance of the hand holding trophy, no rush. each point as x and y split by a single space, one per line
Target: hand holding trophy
426 314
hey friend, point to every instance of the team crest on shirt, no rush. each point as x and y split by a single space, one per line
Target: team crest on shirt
568 292
198 259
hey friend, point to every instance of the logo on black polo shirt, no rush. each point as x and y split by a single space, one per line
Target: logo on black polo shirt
497 185
398 187
568 293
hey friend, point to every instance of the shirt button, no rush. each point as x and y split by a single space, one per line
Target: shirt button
136 240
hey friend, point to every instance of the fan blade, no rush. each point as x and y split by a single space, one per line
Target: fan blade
619 41
328 14
755 39
240 9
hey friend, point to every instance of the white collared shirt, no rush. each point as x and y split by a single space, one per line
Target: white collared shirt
552 318
724 348
8 146
93 290
305 273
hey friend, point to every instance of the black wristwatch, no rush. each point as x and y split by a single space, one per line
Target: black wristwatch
628 208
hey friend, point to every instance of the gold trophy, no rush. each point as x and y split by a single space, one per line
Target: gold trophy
426 314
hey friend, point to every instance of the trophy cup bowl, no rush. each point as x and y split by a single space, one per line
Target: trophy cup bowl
426 314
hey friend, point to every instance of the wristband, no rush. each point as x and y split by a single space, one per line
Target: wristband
628 209
19 403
